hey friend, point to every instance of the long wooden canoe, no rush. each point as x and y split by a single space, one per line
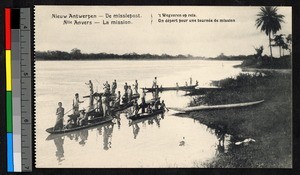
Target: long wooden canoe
90 124
97 120
145 115
57 135
199 108
183 88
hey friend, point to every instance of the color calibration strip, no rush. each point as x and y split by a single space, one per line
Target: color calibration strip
18 89
8 66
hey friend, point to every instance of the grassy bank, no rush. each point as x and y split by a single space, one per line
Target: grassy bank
284 62
269 123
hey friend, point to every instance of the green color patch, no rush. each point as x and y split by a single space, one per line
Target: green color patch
9 126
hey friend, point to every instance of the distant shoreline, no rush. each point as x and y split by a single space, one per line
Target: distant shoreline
76 54
111 59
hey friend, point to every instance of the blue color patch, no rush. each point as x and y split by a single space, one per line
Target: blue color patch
10 154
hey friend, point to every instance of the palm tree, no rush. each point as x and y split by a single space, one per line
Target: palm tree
285 46
279 41
269 21
259 52
289 42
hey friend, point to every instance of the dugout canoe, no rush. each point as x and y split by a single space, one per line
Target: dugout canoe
182 88
97 119
88 125
199 108
69 134
145 115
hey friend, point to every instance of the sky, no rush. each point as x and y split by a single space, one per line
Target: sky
207 39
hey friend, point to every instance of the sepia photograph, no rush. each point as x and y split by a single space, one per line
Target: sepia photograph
163 86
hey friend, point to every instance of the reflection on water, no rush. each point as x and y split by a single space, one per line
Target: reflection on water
146 121
221 133
59 143
135 129
81 137
118 119
220 145
107 136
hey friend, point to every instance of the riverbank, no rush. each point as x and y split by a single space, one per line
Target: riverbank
269 124
284 62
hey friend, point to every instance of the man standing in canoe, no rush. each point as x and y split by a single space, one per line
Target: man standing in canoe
106 88
118 100
191 81
114 87
129 93
99 104
105 105
143 105
136 87
90 84
154 82
76 102
156 92
59 117
125 87
135 107
125 91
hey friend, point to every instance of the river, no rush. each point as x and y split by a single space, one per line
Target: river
161 141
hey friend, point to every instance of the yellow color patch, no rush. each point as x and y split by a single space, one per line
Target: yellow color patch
8 70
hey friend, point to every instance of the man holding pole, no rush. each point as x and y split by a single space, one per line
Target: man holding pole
76 102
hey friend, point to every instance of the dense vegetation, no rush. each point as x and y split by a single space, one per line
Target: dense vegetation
269 123
76 54
284 62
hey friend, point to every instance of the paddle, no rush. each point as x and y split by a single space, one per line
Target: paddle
98 81
72 108
68 111
167 108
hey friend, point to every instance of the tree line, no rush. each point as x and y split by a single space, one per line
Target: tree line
76 54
